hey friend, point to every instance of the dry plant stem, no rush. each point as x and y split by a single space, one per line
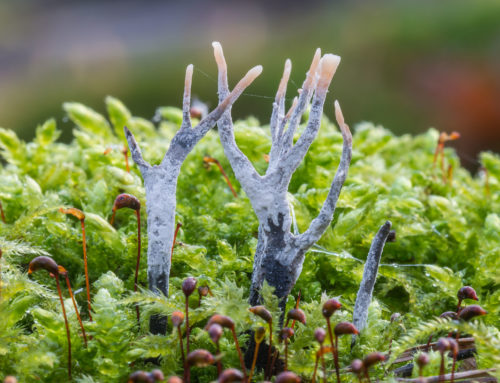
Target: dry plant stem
254 361
76 309
179 225
365 292
87 283
66 324
138 215
160 182
216 162
280 253
2 214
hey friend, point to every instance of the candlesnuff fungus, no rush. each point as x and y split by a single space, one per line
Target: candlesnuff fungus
231 375
227 322
370 360
215 333
177 319
358 368
287 377
188 286
129 201
50 265
342 328
465 292
263 313
64 273
160 182
207 160
259 336
81 216
280 253
329 308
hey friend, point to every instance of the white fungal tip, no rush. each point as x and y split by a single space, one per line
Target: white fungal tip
338 113
189 69
328 65
219 54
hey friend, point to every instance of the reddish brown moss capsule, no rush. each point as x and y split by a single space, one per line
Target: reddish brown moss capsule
188 286
373 358
395 317
126 200
357 366
330 306
174 379
449 314
287 333
221 320
157 375
262 312
344 328
298 315
200 358
203 290
423 360
471 311
45 263
215 332
259 335
140 377
467 292
287 377
320 335
177 318
231 375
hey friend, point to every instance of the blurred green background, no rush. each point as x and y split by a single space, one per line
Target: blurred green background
407 65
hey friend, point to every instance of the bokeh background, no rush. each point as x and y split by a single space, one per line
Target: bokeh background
407 65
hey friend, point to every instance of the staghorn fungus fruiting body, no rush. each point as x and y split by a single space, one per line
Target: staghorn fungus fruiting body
81 216
48 264
131 202
280 254
365 292
342 328
160 182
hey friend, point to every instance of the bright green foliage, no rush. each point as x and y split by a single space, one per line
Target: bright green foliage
448 235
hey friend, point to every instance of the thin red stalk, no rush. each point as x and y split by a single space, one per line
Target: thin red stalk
296 306
459 305
82 221
215 161
275 355
66 324
0 273
436 153
336 356
428 345
187 326
453 367
254 361
2 214
138 214
267 372
180 342
125 153
367 376
313 380
450 174
112 220
76 309
331 336
219 363
175 238
286 354
324 367
441 369
243 368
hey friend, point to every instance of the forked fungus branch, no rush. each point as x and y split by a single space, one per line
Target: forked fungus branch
160 182
280 254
